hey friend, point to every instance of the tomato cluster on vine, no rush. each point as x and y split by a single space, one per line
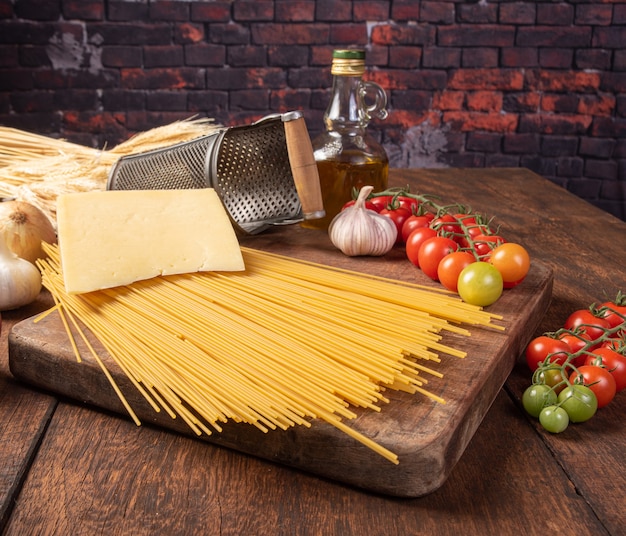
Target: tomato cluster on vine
580 367
452 245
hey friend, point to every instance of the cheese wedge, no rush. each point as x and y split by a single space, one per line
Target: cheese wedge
113 238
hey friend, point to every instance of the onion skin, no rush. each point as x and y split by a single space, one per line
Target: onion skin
25 227
20 280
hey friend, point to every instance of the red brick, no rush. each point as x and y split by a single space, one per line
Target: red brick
405 57
146 120
200 101
559 103
411 100
559 145
594 58
202 54
246 56
492 122
163 56
33 56
556 58
489 142
122 56
437 12
333 11
312 78
181 78
249 99
518 13
574 81
229 34
402 79
560 14
253 10
109 124
169 10
477 13
348 34
119 10
402 10
397 34
561 124
38 10
480 57
608 127
170 101
597 105
9 56
130 34
600 148
122 100
83 9
493 79
528 143
611 37
30 33
519 57
474 35
290 34
449 100
442 57
188 32
619 14
370 10
294 56
594 14
285 100
484 101
210 11
32 101
295 11
521 102
6 9
553 36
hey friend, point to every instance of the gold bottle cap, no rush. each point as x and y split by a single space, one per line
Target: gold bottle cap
348 62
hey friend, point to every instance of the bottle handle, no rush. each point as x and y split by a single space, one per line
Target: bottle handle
378 108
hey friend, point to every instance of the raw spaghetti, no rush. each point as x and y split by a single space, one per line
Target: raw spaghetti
277 345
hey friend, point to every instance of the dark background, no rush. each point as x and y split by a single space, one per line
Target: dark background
489 83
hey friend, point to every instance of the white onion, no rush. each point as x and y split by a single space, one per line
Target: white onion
24 227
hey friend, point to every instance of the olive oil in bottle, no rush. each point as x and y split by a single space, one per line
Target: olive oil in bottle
347 157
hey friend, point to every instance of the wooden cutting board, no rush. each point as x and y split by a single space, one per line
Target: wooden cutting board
429 437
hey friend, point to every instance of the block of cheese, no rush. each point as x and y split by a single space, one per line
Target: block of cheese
113 238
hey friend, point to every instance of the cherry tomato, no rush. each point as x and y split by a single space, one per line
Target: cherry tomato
576 343
483 244
584 319
552 376
579 401
471 232
543 346
613 362
415 240
480 284
410 203
412 223
398 216
380 202
451 267
599 380
536 397
432 251
446 224
512 261
554 419
368 204
613 312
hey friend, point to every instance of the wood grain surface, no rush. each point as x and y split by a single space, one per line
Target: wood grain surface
67 468
429 437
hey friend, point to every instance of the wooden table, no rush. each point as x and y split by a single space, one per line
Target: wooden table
69 469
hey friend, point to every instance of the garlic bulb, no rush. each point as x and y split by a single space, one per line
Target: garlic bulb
357 230
20 280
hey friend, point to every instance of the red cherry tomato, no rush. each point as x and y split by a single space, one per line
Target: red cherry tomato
599 380
368 204
446 224
543 346
380 202
410 203
412 223
584 319
415 240
484 244
432 251
576 343
613 312
398 216
614 362
451 266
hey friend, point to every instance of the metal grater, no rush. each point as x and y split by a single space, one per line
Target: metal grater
250 167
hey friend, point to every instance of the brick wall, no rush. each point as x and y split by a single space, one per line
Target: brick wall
538 84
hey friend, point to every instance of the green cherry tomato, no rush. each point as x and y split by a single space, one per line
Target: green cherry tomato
579 401
554 419
480 284
537 397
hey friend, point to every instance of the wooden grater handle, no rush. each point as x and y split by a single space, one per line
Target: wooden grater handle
303 166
